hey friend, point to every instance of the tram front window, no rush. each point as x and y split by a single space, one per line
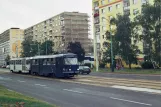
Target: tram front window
71 61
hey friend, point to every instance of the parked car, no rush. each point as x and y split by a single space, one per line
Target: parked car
3 66
7 66
84 69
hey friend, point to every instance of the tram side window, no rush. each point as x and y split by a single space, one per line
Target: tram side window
18 62
44 61
36 62
53 61
27 62
33 62
11 62
48 62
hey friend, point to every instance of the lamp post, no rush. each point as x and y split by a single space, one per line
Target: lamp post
112 61
16 51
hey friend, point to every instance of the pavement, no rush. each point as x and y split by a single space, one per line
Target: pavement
73 94
128 76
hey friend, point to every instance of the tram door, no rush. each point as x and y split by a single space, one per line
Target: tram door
59 66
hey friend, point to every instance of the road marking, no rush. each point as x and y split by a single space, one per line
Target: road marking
41 85
4 78
131 101
137 89
10 90
73 91
85 80
46 87
21 81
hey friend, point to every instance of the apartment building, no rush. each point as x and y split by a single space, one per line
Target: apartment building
62 29
10 44
104 10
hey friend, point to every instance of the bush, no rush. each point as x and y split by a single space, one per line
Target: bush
147 65
102 65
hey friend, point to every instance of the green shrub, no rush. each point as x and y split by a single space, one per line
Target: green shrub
102 65
147 65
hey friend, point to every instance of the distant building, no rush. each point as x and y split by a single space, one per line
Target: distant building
62 29
10 44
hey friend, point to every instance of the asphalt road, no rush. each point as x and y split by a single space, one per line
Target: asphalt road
128 76
77 95
111 75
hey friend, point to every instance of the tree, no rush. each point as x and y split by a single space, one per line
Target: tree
47 47
123 37
76 48
28 49
7 59
149 20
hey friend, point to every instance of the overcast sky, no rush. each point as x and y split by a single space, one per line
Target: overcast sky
25 13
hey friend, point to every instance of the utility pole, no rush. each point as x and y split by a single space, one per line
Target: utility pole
96 18
38 47
111 46
112 64
16 51
95 50
46 46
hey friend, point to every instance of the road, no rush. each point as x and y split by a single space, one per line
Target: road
66 94
112 75
127 76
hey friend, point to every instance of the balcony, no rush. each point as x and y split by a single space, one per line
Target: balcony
96 15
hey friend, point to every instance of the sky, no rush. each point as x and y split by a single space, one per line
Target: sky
25 13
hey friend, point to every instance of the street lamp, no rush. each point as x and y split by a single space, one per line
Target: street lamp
16 50
46 45
112 62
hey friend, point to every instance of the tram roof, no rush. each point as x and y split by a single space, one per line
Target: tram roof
45 56
52 56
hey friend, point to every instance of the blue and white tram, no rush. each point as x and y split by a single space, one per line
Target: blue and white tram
20 65
60 65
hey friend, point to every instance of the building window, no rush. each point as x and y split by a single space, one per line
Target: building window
144 1
117 6
135 11
102 2
96 4
103 19
135 1
110 17
103 10
110 8
103 28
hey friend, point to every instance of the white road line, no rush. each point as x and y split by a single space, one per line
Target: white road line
10 90
46 87
73 91
137 89
21 81
41 85
130 101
